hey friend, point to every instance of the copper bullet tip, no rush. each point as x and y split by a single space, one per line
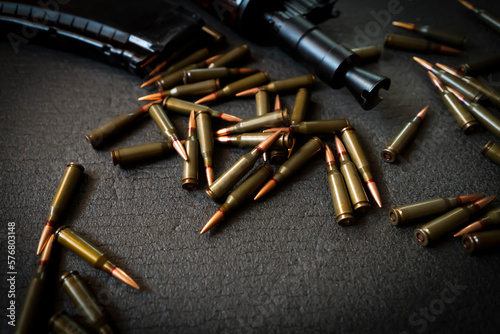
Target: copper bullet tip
222 139
485 201
405 25
447 49
192 121
269 141
150 60
222 132
122 276
248 70
466 4
208 98
216 219
48 249
151 97
266 188
340 146
476 226
428 66
374 191
436 81
329 157
151 81
48 230
276 129
423 112
210 175
180 149
277 103
249 92
146 107
447 69
230 118
290 150
212 59
469 198
159 67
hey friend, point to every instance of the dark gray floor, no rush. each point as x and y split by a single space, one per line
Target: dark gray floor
279 265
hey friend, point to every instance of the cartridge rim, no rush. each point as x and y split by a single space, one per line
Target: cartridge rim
469 127
211 194
77 165
469 242
361 207
347 128
91 140
487 147
54 317
58 231
67 275
395 215
115 156
189 183
345 219
422 236
389 154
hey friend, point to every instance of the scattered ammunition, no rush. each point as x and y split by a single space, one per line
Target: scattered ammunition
190 171
434 34
368 53
438 227
492 217
262 103
354 185
284 141
112 128
166 127
237 86
411 212
481 241
470 92
63 323
33 317
486 65
302 100
90 254
282 86
271 119
224 182
483 115
340 196
139 153
195 57
319 127
492 151
416 44
206 139
355 150
231 57
184 108
484 16
60 201
197 75
398 143
81 295
194 89
464 118
292 165
240 194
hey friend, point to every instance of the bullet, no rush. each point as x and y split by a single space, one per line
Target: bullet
481 241
484 16
60 201
398 143
90 254
202 74
492 151
302 100
292 165
416 211
483 115
195 57
262 103
435 34
271 119
240 194
492 95
368 53
231 57
320 127
284 141
167 129
354 185
215 36
184 108
438 227
63 323
193 89
492 217
206 140
483 66
135 154
282 86
190 170
416 44
340 197
237 86
81 295
464 118
114 127
355 150
33 317
239 169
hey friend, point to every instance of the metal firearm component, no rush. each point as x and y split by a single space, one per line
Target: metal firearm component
406 43
197 75
268 120
481 241
206 140
63 323
232 56
166 127
435 34
492 151
485 65
190 170
139 153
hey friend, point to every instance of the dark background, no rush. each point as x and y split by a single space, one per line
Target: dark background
279 265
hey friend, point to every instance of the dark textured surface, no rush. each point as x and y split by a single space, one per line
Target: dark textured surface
280 265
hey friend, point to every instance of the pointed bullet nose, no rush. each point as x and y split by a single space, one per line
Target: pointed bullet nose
450 50
269 141
435 81
210 175
180 149
476 226
485 201
208 98
375 193
270 185
405 25
47 250
230 118
469 198
151 81
122 276
249 92
192 122
340 146
216 218
423 112
466 4
277 103
329 157
423 63
447 69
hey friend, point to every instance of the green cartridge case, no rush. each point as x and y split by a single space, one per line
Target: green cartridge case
340 197
79 292
318 127
173 79
481 241
269 120
486 65
195 89
488 18
411 212
441 225
302 100
464 118
285 141
441 36
262 103
232 56
291 84
63 323
182 107
355 150
412 44
471 93
357 193
485 118
492 217
202 74
398 143
190 170
109 130
492 151
193 58
368 53
254 80
205 137
163 123
139 153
